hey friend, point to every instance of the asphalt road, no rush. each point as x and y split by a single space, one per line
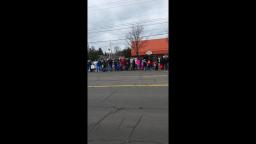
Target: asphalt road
128 107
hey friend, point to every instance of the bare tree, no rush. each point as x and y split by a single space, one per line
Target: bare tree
134 38
116 51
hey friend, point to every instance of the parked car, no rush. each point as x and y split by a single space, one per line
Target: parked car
93 66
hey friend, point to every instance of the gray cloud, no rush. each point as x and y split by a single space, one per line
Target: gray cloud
107 15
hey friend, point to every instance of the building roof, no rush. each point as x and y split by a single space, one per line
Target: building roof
156 46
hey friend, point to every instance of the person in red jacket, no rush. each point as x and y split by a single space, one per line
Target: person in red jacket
161 63
149 64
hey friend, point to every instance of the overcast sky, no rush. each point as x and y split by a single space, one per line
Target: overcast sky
112 20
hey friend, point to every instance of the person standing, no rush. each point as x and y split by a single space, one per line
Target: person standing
157 63
165 63
138 63
159 58
118 65
127 64
98 66
144 64
154 64
104 65
109 65
134 64
130 64
161 63
122 63
148 64
151 64
115 63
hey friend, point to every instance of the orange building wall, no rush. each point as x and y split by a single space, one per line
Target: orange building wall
157 46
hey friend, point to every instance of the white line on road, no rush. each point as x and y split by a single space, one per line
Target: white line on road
145 76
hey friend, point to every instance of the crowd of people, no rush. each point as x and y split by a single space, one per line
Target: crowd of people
129 64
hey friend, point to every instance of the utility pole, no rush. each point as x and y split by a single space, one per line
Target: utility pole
109 54
110 49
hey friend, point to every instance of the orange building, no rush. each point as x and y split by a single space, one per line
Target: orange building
155 47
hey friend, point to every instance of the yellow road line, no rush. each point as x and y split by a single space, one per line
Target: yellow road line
106 86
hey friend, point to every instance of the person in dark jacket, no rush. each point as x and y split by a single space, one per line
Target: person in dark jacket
127 64
104 65
115 64
140 66
133 64
165 63
161 63
144 61
110 65
98 65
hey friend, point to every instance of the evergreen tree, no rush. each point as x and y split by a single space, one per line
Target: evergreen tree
100 52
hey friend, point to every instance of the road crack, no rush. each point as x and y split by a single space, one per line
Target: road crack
134 127
111 94
119 126
111 112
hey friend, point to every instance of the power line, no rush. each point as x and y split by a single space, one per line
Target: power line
120 1
140 15
89 6
117 6
123 28
144 17
123 34
126 30
132 23
126 39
